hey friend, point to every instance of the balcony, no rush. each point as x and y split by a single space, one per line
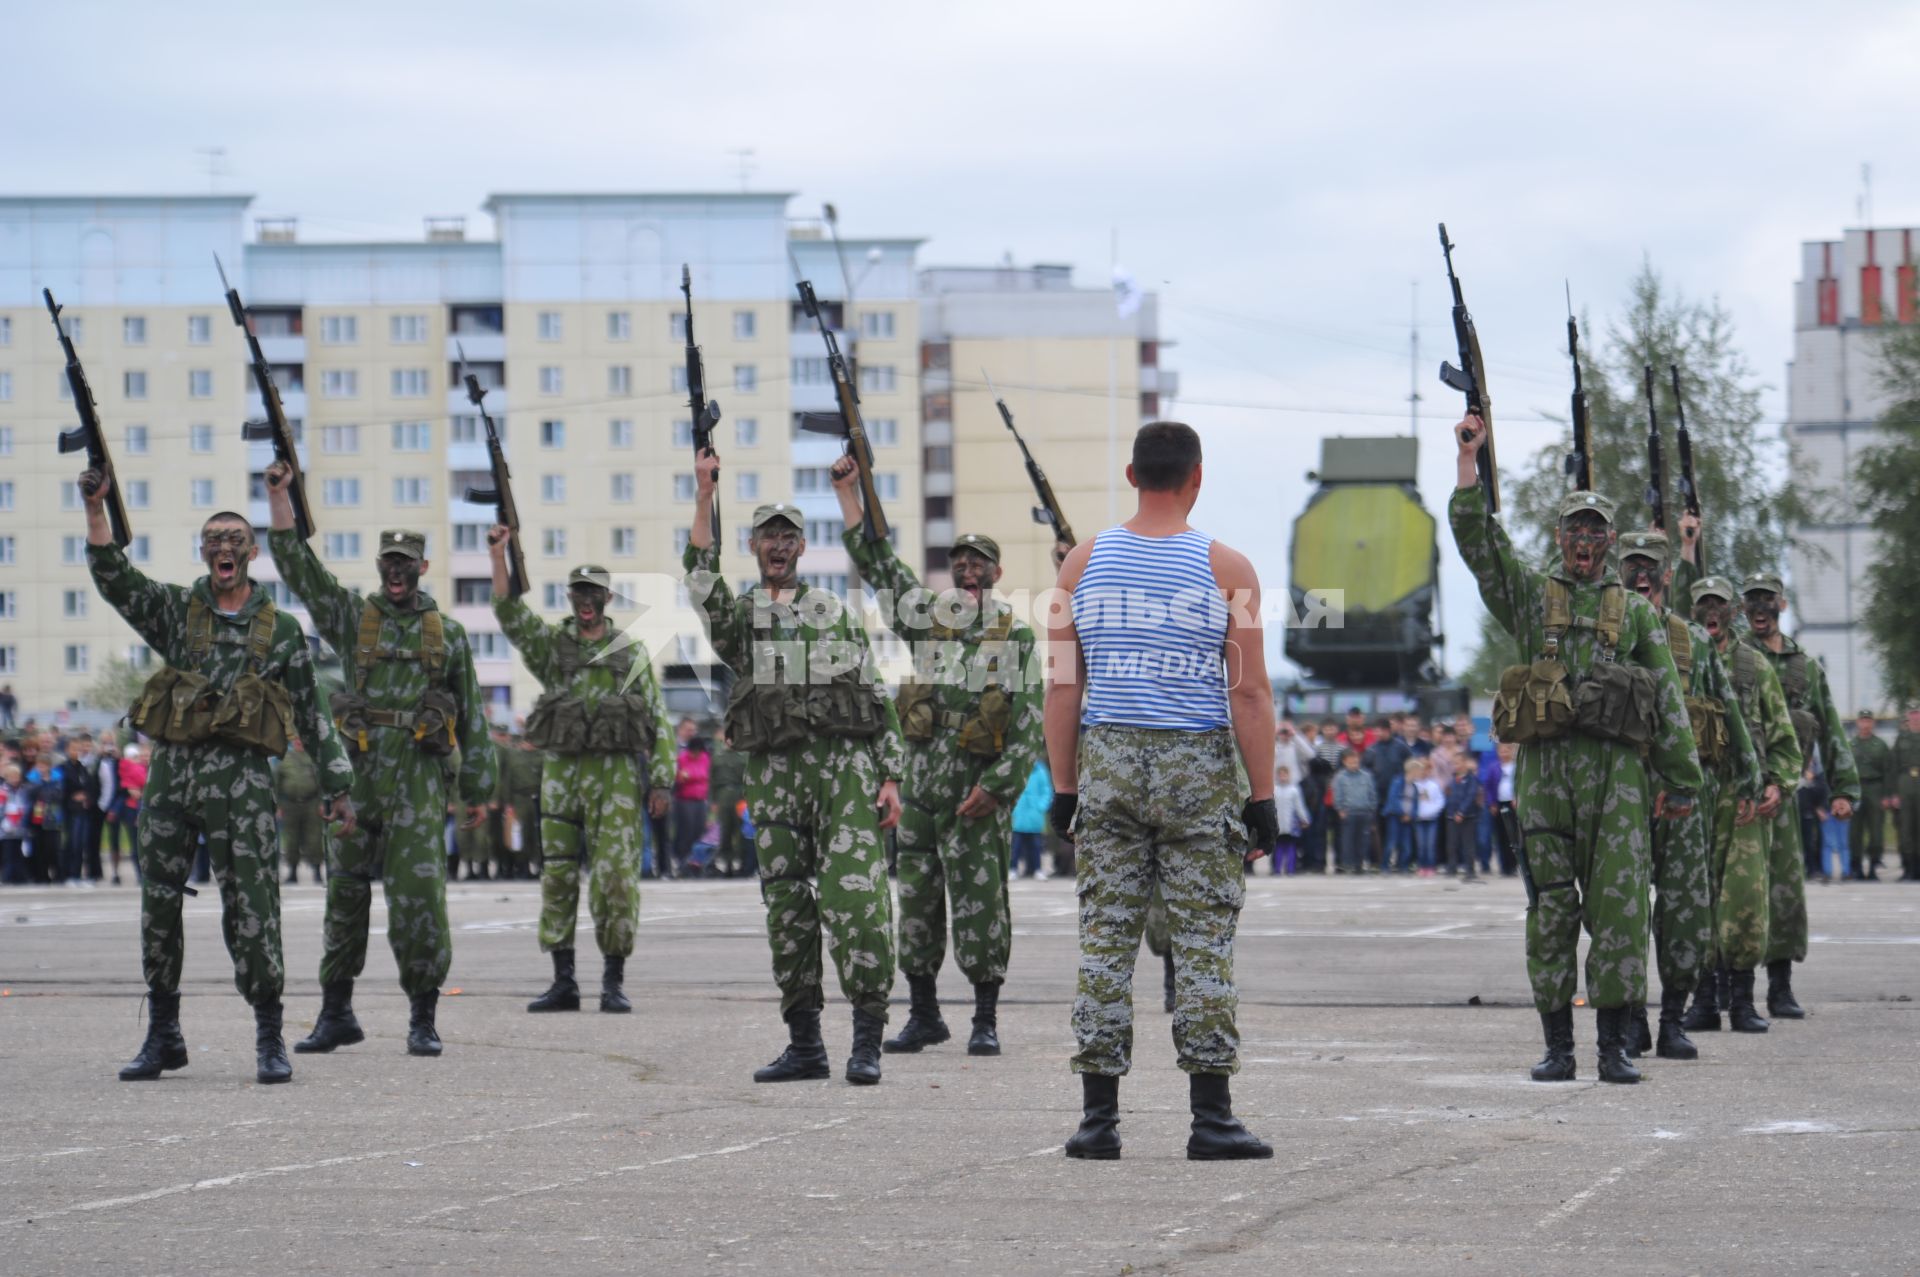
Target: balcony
467 456
813 396
290 349
293 402
481 347
458 405
260 453
936 484
939 532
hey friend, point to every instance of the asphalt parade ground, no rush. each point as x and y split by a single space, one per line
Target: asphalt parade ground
1386 1033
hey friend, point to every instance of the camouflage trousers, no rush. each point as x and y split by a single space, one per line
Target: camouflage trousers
823 870
235 813
592 809
1683 892
1739 887
1786 885
1584 808
399 842
302 830
1159 941
1158 807
480 845
949 861
1867 831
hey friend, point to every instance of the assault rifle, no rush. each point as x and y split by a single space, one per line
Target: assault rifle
1470 378
1580 460
88 434
706 413
846 423
275 428
500 495
1048 511
1656 460
1689 491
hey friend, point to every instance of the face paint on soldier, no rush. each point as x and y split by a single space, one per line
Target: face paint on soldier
1584 539
1644 577
227 547
1763 613
589 604
777 546
400 577
973 572
1715 615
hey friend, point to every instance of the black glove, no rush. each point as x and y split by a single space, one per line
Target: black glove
1061 817
1262 820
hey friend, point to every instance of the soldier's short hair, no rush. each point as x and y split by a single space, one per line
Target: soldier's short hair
1164 455
227 516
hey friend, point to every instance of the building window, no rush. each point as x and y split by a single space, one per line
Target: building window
625 542
743 538
136 440
341 545
200 384
746 378
821 532
132 382
553 489
6 494
619 380
469 590
622 488
677 325
743 325
7 550
620 433
409 383
683 487
409 490
489 645
9 607
553 434
552 596
72 549
876 323
6 330
200 437
883 432
812 479
888 486
75 328
407 330
76 656
553 542
340 383
877 378
133 330
677 378
549 325
339 330
551 381
6 386
811 370
412 436
340 440
199 330
140 549
746 432
69 495
683 434
469 538
9 659
73 604
6 441
340 492
137 493
464 428
202 494
619 325
746 486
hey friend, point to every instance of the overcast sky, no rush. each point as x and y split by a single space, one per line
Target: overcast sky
1273 170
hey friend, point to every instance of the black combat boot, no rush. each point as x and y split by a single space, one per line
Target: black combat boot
1613 1028
613 973
1741 1016
805 1058
293 873
1723 988
1167 984
269 1048
1704 1015
563 994
986 1019
924 1026
1098 1139
863 1066
421 1037
1639 1033
1218 1135
1674 1044
1557 1064
337 1025
164 1048
1781 1004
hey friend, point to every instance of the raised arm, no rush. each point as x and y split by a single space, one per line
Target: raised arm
1505 585
334 608
156 612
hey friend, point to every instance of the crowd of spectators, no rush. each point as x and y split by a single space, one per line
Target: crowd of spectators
65 799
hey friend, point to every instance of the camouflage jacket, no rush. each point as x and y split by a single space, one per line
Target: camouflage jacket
1764 706
1873 759
393 684
594 680
1516 596
296 779
959 666
729 621
1906 759
1829 733
1740 766
158 613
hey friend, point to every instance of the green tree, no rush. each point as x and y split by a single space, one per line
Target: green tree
1748 516
1887 478
116 685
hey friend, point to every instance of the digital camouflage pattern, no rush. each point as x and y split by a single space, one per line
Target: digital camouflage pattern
1786 866
222 791
296 784
947 860
1159 937
400 791
823 864
593 804
1742 910
1585 805
1159 807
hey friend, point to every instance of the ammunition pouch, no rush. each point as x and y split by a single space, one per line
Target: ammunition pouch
847 706
918 714
175 707
984 733
558 722
434 721
1708 716
432 726
257 713
1617 703
1534 703
764 717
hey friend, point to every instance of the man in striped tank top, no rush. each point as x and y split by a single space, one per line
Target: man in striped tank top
1152 770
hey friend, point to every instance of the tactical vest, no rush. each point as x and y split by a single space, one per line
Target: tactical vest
432 721
1797 682
183 707
1706 714
564 722
776 715
1540 701
982 728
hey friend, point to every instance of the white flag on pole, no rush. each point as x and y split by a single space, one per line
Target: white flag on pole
1126 292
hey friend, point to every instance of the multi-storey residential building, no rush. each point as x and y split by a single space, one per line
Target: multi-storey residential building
1849 291
572 318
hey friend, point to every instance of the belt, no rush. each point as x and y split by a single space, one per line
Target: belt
401 718
953 720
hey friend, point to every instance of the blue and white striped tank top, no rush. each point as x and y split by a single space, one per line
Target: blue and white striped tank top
1151 622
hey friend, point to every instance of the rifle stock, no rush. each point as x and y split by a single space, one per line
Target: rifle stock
500 495
1470 379
705 412
88 434
1048 511
276 427
873 521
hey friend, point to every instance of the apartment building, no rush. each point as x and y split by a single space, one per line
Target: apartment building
572 319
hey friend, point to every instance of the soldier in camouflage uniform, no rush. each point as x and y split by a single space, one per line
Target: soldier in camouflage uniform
1815 722
727 786
524 766
971 718
1682 872
1584 794
411 700
479 847
824 762
1873 759
603 720
210 775
296 788
1906 795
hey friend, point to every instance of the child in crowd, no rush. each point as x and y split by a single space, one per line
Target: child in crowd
1461 821
1292 809
1397 855
1429 802
1355 803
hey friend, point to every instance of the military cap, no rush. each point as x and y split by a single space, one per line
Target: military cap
1767 581
590 574
1714 587
1867 713
1592 502
986 546
1645 545
403 541
778 510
